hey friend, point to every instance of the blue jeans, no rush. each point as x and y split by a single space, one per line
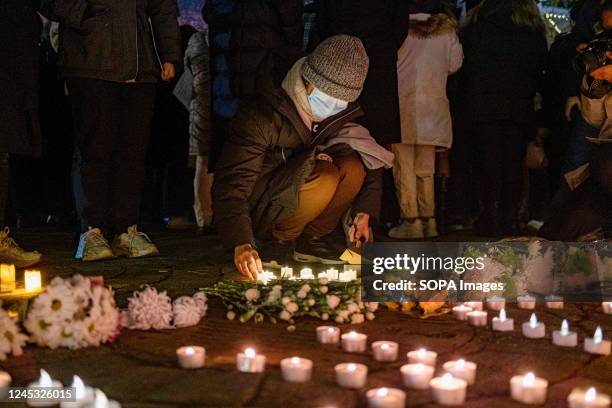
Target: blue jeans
579 149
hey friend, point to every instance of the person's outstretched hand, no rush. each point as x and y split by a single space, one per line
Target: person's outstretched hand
168 71
360 230
247 261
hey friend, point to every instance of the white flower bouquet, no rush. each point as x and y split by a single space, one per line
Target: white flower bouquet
74 313
287 300
12 340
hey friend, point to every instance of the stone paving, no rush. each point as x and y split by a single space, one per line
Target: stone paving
139 370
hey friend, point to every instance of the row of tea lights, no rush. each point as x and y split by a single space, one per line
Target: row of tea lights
472 313
8 282
348 275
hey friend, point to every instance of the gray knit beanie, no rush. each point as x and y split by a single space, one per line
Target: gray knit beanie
338 67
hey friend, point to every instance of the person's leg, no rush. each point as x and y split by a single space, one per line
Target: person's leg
490 157
202 185
405 179
514 149
424 168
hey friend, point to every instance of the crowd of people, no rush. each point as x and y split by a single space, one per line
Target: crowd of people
298 128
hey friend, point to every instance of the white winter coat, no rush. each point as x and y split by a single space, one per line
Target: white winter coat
429 54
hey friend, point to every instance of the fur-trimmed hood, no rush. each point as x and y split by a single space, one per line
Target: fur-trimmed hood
426 25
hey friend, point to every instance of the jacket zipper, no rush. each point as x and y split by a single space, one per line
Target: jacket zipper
161 66
336 120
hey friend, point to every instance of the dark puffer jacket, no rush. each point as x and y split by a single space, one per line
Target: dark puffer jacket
264 164
117 40
197 60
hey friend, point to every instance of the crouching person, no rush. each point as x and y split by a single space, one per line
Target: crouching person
295 164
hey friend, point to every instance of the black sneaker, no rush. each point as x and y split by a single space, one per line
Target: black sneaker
278 252
325 250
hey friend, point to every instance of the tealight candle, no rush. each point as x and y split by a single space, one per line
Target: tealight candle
526 302
596 344
265 277
466 370
5 383
347 276
351 375
534 329
554 302
7 278
250 362
306 273
448 390
332 274
191 356
565 337
496 303
33 281
386 398
417 376
590 398
296 369
328 334
102 401
477 318
460 312
422 356
502 323
474 305
385 351
607 307
286 272
528 389
354 342
85 396
44 381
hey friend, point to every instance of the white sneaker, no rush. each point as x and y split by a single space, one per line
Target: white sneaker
134 244
93 246
12 253
431 228
407 230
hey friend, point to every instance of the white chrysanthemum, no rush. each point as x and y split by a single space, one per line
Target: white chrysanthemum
305 288
323 289
339 319
284 315
251 294
325 316
323 280
311 302
231 315
332 301
149 309
12 340
202 302
286 300
292 307
301 294
357 318
372 306
186 312
353 308
57 303
370 316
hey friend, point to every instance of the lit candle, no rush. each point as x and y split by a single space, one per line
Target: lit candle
332 274
448 390
386 398
417 376
286 272
460 312
422 356
102 401
33 281
250 361
385 351
528 389
191 356
347 276
354 342
296 369
7 278
477 318
526 302
607 307
5 383
554 302
474 305
565 337
502 323
597 344
351 375
44 381
579 398
85 396
265 277
466 370
534 329
328 335
496 303
306 273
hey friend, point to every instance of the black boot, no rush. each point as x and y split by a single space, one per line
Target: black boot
326 250
276 251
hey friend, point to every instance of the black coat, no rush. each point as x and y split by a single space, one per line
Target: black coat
117 40
20 29
503 67
382 26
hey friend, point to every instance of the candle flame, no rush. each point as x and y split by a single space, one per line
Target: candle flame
590 395
447 380
79 387
422 353
45 379
564 328
598 336
101 400
419 367
351 367
533 321
502 315
250 353
460 364
32 281
330 329
352 334
385 346
295 360
382 392
529 380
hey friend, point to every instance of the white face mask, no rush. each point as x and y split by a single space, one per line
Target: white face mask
324 106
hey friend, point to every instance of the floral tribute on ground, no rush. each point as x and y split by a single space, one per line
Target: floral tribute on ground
287 300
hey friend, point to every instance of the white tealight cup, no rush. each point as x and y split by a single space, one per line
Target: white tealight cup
351 375
502 323
417 376
328 335
477 318
191 356
527 302
354 342
44 381
496 303
422 356
448 390
296 369
597 344
85 396
102 400
528 389
534 329
466 370
386 398
250 362
565 337
581 398
554 302
474 305
5 383
460 312
607 307
385 351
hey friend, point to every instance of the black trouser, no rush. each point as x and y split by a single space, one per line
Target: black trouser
112 129
501 158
